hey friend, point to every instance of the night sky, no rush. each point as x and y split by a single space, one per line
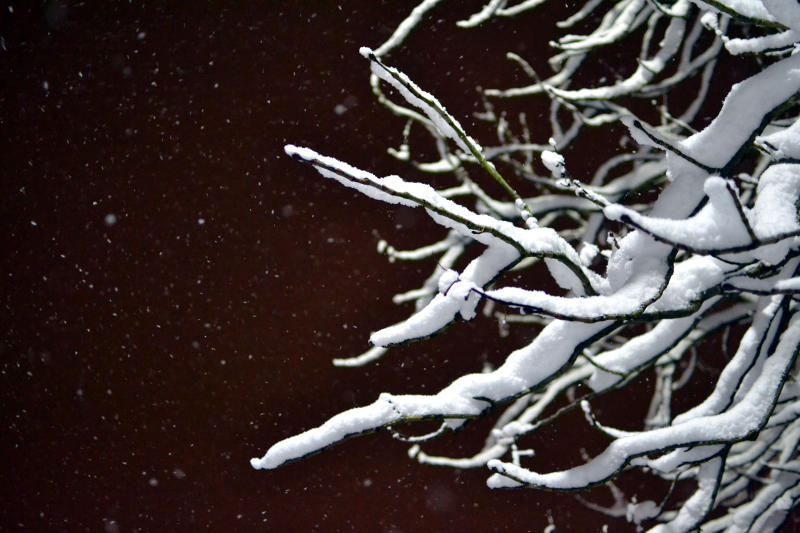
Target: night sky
174 286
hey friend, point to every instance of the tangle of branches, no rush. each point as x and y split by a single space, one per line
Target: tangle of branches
713 248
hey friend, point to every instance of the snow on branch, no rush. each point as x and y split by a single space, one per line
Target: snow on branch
691 235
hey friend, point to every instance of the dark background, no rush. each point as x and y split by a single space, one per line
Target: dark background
174 286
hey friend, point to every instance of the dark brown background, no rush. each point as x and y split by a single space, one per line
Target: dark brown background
174 286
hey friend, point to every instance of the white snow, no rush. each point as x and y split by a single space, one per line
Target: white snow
554 163
447 125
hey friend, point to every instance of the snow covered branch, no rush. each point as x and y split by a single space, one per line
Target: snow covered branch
693 234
